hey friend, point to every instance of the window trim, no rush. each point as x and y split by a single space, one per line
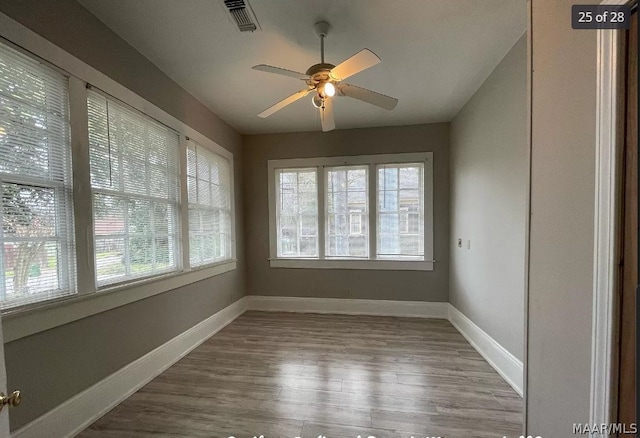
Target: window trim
336 263
319 246
24 321
325 169
66 262
127 196
184 195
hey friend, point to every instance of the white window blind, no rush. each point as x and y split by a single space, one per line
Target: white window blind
347 212
297 212
37 256
135 182
209 191
400 210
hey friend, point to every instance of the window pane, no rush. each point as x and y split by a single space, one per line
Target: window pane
37 248
297 212
347 212
209 206
134 237
135 182
401 211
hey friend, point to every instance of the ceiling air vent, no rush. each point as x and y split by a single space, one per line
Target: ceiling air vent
242 14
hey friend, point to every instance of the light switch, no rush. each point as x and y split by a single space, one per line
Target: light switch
459 243
468 244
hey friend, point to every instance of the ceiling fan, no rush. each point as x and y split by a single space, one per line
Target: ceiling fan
326 81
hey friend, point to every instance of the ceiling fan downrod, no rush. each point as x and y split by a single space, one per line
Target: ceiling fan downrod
322 29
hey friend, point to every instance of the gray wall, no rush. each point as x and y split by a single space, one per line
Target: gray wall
489 182
51 366
561 227
363 284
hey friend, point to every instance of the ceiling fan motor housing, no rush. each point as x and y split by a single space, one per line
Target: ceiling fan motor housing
320 71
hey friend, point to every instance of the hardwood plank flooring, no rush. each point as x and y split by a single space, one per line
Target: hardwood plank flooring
286 375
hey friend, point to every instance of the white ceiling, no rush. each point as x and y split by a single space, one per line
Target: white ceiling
435 53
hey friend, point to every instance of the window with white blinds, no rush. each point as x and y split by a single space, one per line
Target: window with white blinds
209 192
400 210
135 182
37 256
297 212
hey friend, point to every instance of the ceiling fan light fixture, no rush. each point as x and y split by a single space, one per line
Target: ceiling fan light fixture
327 89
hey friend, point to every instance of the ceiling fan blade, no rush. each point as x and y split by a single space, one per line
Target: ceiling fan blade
368 96
362 60
326 115
280 71
278 106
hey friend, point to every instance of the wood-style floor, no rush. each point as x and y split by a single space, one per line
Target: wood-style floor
286 375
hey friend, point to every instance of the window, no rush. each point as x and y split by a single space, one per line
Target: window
371 212
37 258
135 183
347 204
209 192
297 213
400 210
94 192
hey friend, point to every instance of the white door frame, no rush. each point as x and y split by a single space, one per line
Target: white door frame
609 139
4 414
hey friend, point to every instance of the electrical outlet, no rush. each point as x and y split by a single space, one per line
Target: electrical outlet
459 243
348 292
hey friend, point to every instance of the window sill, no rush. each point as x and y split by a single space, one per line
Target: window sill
20 323
376 265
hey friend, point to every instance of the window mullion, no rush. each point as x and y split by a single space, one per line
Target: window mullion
321 178
372 192
82 195
127 238
184 204
3 291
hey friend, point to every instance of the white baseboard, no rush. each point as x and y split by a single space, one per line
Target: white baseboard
77 413
415 309
505 363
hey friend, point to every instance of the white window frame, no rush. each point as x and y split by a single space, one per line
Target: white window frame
89 300
126 197
372 262
197 206
67 262
299 234
367 209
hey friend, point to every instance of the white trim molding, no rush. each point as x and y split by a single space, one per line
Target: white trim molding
372 261
74 415
506 364
378 265
605 227
408 309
